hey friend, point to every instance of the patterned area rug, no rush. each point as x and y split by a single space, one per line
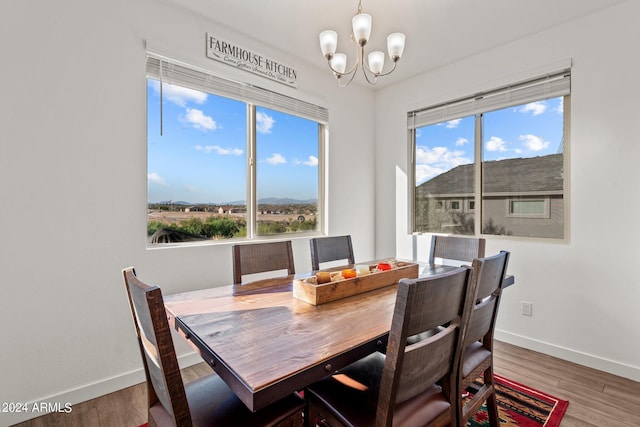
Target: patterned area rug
522 406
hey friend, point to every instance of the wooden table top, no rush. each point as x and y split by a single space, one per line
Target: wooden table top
266 344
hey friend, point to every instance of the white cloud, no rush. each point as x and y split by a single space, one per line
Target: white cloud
496 144
154 178
425 172
220 150
461 141
264 122
534 143
452 124
312 161
179 95
560 108
432 162
199 120
276 159
536 108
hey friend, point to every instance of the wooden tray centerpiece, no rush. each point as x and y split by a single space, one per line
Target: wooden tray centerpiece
327 286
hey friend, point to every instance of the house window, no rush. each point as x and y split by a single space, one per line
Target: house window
471 205
508 151
223 166
455 205
528 208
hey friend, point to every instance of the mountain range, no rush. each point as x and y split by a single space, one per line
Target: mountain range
265 201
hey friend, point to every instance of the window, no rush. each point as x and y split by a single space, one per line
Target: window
534 208
471 205
500 154
225 165
442 150
286 173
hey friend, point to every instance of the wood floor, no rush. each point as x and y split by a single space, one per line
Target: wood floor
595 398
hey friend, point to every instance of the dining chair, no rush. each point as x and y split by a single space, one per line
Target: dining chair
456 248
477 349
255 258
207 401
414 384
333 248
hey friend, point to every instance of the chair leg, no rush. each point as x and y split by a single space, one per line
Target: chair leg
492 403
310 415
492 410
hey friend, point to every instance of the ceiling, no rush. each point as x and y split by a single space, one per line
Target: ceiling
438 32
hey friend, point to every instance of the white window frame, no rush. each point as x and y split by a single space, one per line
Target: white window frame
553 84
168 70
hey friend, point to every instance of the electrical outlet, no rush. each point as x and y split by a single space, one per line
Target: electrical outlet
527 308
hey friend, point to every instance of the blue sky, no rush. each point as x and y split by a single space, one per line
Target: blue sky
529 130
202 154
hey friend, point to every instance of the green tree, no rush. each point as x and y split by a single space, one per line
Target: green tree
193 226
271 228
224 228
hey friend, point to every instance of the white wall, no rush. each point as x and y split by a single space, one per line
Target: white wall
585 292
73 180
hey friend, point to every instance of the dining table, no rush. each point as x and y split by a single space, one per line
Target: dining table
266 344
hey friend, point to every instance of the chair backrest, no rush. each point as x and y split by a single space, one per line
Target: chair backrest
325 249
262 257
438 304
488 274
456 248
164 382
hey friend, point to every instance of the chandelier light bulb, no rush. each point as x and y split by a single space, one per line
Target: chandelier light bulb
339 62
328 43
395 45
361 24
376 61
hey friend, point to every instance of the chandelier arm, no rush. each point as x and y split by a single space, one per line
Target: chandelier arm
390 71
347 83
365 68
352 70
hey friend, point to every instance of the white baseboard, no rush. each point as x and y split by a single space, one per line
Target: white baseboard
86 392
585 359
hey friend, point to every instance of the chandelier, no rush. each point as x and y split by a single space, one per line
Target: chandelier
361 30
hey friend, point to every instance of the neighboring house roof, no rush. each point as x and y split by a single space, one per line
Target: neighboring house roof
521 175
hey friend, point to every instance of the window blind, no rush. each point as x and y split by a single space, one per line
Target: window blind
174 72
550 86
